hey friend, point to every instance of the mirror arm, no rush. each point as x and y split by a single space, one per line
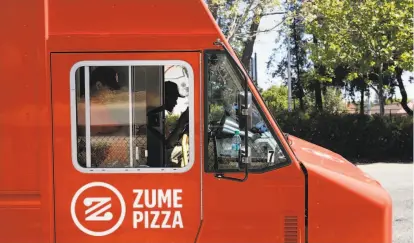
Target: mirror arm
245 160
222 176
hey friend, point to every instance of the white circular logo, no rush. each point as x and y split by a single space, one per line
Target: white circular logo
88 201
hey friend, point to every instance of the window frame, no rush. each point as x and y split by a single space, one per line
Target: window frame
259 109
129 64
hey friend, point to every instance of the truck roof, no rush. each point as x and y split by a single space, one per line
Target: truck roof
171 24
120 17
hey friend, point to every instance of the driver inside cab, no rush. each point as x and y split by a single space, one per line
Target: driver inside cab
171 142
170 101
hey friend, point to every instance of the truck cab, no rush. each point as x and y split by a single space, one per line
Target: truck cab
134 121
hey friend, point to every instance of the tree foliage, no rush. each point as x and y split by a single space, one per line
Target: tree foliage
276 98
371 38
334 43
332 101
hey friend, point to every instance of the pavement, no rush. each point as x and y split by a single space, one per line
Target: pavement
397 179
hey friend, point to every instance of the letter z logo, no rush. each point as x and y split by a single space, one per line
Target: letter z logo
96 215
97 209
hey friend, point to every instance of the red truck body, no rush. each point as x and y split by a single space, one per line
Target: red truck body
312 195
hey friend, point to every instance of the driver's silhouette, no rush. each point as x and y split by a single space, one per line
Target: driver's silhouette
171 95
170 101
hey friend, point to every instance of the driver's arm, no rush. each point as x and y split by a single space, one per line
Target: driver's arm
174 136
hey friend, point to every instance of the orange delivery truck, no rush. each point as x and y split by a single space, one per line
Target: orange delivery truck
134 121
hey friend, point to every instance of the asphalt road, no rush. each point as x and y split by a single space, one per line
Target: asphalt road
397 179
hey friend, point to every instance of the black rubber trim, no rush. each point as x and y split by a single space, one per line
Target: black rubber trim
305 173
198 232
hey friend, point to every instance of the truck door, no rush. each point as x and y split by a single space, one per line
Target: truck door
270 205
118 174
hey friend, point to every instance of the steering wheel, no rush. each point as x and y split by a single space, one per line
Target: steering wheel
181 151
185 150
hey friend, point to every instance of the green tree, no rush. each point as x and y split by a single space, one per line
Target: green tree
371 37
332 101
276 98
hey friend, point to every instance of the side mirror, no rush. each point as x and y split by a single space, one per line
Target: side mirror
244 111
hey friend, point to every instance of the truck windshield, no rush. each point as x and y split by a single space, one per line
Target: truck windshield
224 82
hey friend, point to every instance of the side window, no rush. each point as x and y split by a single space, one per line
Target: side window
132 117
223 85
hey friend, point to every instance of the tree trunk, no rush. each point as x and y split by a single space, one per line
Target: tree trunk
398 73
213 8
317 84
301 103
318 96
239 22
361 108
381 91
249 44
298 81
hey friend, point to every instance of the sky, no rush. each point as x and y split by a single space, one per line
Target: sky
264 44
